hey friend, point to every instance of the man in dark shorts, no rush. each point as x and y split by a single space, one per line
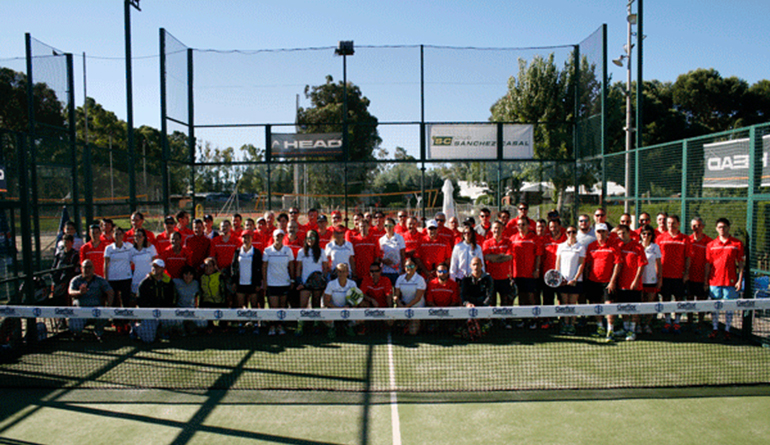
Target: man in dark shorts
695 288
527 251
675 264
497 256
603 264
89 290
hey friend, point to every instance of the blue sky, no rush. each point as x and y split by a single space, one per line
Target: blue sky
681 36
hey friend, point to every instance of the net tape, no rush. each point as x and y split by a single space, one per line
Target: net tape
423 313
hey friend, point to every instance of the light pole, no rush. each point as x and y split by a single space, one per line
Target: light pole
345 48
130 105
629 129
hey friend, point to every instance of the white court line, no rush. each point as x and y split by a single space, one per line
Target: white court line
395 424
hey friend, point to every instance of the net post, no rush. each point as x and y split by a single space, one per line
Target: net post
73 141
164 124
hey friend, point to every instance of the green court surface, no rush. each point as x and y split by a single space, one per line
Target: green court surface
735 415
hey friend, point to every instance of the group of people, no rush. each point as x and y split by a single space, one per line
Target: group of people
279 262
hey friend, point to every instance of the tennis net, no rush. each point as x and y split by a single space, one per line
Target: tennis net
456 349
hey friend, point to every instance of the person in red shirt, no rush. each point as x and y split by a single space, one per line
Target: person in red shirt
523 212
163 240
312 221
175 256
504 216
336 219
324 234
695 288
725 259
412 237
355 231
633 260
527 249
261 234
294 216
644 219
198 247
603 266
431 252
442 291
555 235
182 225
237 224
675 261
445 234
223 247
402 226
457 235
108 228
294 239
378 290
94 250
378 224
366 246
498 258
137 222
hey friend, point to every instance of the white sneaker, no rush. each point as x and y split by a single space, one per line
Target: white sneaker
631 336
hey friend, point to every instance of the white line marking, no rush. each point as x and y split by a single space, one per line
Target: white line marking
395 424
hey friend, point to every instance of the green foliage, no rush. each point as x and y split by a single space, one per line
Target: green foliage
325 116
14 114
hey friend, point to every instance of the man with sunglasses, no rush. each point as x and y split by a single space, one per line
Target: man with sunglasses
484 228
512 227
644 219
585 235
378 290
600 217
444 233
378 224
366 246
401 226
431 251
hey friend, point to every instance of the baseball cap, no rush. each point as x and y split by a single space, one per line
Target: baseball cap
322 218
432 223
160 263
278 232
601 226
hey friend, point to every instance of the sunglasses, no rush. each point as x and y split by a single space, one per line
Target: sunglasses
582 220
375 271
442 271
599 214
523 208
410 266
402 216
440 220
641 220
571 231
293 213
389 225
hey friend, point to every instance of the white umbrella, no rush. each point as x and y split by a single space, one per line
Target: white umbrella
449 203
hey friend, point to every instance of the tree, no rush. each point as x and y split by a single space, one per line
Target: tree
544 95
14 114
325 116
709 102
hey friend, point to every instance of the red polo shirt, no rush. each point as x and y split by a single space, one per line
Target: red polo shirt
433 251
198 246
412 241
95 254
674 250
550 246
175 261
698 261
525 249
723 257
632 258
442 295
367 249
380 291
223 251
498 271
602 258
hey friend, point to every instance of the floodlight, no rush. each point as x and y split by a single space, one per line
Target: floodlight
344 48
618 61
632 19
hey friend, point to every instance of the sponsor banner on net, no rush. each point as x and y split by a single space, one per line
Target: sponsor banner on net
479 141
384 313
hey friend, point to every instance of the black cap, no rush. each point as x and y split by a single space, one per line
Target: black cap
470 220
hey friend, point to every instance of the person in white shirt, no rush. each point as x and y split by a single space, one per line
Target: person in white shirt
393 249
145 254
570 262
335 296
409 292
339 251
463 253
118 257
278 275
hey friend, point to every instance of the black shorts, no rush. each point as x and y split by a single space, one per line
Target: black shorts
576 289
122 289
528 285
597 293
278 291
504 288
672 286
628 296
246 289
695 291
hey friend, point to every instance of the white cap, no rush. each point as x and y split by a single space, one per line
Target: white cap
600 226
278 232
159 263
